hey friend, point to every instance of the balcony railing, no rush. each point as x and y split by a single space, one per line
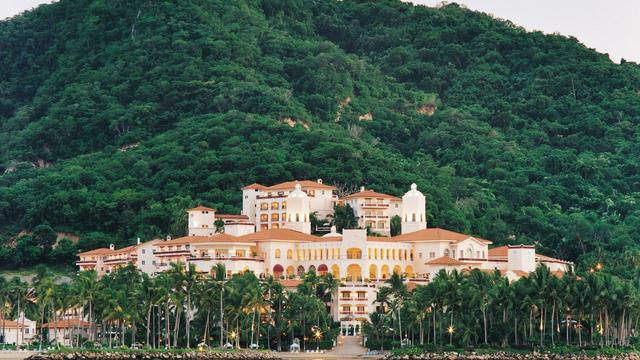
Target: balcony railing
86 262
229 257
346 312
172 252
373 205
376 216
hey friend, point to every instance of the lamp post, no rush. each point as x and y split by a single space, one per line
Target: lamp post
318 335
451 330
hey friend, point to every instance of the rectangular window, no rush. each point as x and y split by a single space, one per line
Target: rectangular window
264 217
284 205
275 205
143 251
153 262
264 206
143 262
432 254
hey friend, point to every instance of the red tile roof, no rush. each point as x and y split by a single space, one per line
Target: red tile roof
99 251
279 234
290 283
232 216
221 237
370 194
446 260
11 324
304 184
201 208
254 186
436 234
67 323
501 253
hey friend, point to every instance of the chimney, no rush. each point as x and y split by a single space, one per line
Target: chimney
138 241
112 247
319 181
361 188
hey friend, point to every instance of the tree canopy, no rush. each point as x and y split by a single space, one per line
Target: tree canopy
115 116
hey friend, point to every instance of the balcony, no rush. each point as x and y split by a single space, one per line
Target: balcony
346 312
345 299
375 216
375 205
86 262
115 261
181 252
228 257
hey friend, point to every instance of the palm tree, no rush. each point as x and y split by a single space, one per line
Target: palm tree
219 275
394 295
479 284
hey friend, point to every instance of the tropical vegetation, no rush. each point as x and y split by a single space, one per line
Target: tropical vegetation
176 309
476 309
115 116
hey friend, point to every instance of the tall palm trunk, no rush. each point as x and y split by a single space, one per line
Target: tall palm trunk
149 324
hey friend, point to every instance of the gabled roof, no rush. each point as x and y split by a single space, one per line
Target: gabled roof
370 194
289 283
305 184
219 238
67 323
12 324
201 208
278 234
437 234
447 261
232 216
127 249
99 251
502 253
254 186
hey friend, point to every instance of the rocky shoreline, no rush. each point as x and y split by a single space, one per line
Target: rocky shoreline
511 356
207 355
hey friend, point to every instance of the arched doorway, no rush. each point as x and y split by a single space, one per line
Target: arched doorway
301 271
323 269
291 271
397 270
335 270
373 272
354 272
409 271
384 272
277 270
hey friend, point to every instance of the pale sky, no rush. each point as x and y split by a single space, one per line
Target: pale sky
609 26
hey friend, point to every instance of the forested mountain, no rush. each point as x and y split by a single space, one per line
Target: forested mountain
116 115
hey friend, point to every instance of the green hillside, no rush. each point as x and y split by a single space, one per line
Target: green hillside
117 115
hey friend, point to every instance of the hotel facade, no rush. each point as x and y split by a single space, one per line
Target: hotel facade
273 237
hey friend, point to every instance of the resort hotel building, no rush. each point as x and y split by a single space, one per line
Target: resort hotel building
273 237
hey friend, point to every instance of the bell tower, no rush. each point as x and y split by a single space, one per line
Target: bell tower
414 211
298 211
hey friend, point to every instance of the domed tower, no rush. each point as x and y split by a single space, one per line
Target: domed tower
298 211
414 210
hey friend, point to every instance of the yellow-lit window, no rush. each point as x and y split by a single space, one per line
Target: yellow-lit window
289 254
264 217
277 254
275 205
264 206
284 205
275 226
275 217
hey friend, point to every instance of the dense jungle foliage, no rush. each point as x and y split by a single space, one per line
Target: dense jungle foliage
117 115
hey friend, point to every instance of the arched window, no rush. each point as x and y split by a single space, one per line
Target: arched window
446 252
297 217
413 217
275 205
289 254
275 217
277 254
